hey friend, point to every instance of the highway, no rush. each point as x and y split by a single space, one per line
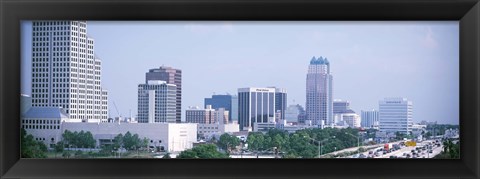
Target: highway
404 151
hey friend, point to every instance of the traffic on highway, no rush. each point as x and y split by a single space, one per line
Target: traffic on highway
404 149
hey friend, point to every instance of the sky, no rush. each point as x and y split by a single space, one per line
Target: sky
417 60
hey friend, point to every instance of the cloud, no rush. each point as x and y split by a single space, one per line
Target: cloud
209 27
429 40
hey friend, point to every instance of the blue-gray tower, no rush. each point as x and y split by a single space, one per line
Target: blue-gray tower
319 102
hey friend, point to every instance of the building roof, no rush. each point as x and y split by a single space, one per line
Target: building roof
319 61
45 112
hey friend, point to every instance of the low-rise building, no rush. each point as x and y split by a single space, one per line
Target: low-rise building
208 130
47 124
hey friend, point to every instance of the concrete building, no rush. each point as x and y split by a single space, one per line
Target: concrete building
352 120
370 118
47 124
171 76
207 115
44 123
395 115
156 102
294 112
66 72
340 106
228 102
319 94
206 131
255 105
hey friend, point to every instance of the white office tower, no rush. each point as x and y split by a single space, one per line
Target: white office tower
255 105
156 102
319 102
65 71
395 115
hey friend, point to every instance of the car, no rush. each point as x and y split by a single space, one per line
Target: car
408 156
362 156
404 154
430 151
393 156
370 152
384 152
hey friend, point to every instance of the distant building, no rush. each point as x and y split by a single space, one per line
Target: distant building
208 130
370 118
256 105
156 102
228 102
395 115
171 76
25 103
294 112
340 106
207 115
281 102
352 120
319 93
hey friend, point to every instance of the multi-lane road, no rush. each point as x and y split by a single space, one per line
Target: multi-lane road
405 151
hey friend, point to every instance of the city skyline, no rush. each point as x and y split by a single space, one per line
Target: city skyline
268 68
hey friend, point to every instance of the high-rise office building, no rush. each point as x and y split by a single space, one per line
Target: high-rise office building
171 76
319 102
255 105
227 101
157 102
395 115
369 118
281 101
65 71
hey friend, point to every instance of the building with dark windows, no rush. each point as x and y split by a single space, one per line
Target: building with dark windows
340 106
227 101
281 102
255 105
156 102
319 94
171 76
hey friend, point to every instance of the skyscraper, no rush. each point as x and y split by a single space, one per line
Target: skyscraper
171 76
227 101
157 102
281 101
395 115
319 102
66 72
255 105
369 118
207 115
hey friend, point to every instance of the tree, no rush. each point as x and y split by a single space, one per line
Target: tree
31 148
59 148
228 142
202 151
118 141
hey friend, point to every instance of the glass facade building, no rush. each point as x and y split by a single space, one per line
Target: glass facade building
255 105
227 101
319 94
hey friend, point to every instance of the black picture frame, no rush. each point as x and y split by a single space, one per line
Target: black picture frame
467 12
